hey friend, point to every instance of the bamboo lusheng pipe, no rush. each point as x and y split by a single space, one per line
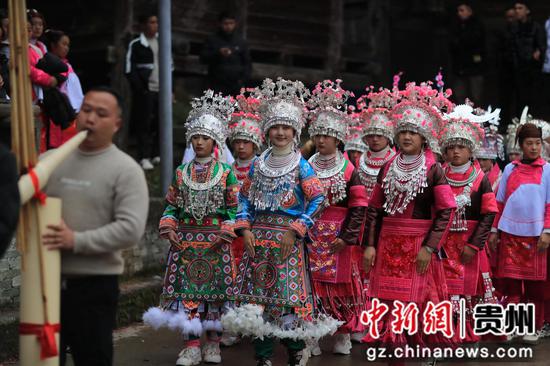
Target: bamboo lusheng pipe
47 165
40 285
40 269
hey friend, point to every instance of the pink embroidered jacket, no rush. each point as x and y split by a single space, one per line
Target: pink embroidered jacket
523 198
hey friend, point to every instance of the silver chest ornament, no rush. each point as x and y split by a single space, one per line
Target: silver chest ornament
463 200
201 199
333 179
271 187
403 183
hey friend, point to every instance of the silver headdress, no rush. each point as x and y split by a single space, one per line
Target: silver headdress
542 124
511 145
245 124
492 146
463 127
376 118
209 117
282 103
328 110
356 144
354 139
420 110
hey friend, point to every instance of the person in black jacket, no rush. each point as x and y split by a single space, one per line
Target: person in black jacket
468 55
142 70
523 48
9 196
227 56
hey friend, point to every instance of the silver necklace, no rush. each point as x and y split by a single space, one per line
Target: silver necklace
403 182
462 200
332 177
274 180
369 169
275 166
202 199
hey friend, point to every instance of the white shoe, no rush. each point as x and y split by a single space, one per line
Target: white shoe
156 160
189 356
146 164
358 337
229 339
211 353
532 338
313 347
342 346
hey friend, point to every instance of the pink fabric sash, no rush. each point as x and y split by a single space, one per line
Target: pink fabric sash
518 258
394 276
325 266
461 279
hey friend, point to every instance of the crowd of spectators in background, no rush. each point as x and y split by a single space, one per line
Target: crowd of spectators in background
523 60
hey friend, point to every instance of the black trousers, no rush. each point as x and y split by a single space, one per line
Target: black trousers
145 123
88 317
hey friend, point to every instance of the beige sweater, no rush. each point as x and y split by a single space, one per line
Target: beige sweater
105 202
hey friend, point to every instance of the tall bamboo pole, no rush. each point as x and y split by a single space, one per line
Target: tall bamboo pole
40 270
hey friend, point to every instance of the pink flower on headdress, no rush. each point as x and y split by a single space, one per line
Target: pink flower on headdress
396 79
439 80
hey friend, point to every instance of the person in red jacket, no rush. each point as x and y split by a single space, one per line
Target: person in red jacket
37 50
409 215
54 135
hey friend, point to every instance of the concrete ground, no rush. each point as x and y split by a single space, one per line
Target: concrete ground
139 345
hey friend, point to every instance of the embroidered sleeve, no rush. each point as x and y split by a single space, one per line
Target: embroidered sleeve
227 229
169 218
488 198
245 211
487 215
442 192
313 197
231 195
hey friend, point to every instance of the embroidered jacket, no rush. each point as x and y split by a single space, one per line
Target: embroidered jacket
355 201
523 198
175 210
304 203
436 202
241 172
494 176
483 207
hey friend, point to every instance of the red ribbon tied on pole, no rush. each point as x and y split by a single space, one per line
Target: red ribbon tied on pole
46 337
38 194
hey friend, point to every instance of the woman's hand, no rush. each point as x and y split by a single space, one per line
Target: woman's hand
249 241
423 260
287 243
493 242
173 237
337 246
369 257
544 242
